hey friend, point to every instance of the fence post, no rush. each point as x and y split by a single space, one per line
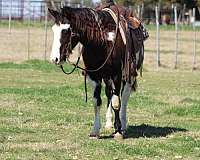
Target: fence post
157 36
29 20
10 16
82 3
45 42
142 11
195 38
62 3
176 36
1 10
69 3
138 11
183 13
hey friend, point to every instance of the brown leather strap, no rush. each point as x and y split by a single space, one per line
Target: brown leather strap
134 22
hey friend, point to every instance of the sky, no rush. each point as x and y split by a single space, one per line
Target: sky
95 1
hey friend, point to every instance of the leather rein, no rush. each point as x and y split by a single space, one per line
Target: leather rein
76 65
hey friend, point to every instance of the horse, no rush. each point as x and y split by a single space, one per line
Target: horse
103 56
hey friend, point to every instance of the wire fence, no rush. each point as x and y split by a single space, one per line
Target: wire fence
25 33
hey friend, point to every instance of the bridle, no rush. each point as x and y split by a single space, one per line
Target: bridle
69 49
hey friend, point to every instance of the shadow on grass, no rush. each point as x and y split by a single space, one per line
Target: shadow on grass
150 131
190 100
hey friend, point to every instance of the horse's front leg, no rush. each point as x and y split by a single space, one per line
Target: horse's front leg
115 103
109 124
97 103
108 91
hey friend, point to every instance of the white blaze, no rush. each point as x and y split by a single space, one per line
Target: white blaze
55 52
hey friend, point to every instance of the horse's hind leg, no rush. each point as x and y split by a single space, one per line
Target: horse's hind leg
124 100
97 103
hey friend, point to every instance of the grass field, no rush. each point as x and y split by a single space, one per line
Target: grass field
43 115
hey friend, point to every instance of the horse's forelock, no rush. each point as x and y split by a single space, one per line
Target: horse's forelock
88 22
84 20
66 12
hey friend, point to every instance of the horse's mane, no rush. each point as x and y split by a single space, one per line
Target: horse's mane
92 24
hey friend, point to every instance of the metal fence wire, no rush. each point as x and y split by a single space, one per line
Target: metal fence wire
25 33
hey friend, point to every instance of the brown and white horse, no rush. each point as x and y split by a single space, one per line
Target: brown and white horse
95 30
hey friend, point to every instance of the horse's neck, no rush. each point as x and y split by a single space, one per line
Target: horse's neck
86 25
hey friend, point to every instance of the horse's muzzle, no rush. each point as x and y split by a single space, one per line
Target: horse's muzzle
55 60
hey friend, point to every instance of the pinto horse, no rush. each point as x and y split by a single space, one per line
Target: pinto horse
103 57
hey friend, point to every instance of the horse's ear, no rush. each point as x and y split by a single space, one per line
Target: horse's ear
54 13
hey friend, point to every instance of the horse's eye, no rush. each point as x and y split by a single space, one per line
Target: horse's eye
64 31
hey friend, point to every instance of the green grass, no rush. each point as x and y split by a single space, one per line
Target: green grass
33 65
43 115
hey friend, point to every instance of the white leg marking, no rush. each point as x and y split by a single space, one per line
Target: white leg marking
109 117
115 102
125 96
97 123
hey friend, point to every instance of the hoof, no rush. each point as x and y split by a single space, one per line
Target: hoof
124 134
118 136
94 136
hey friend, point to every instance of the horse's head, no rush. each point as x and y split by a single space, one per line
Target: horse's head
62 31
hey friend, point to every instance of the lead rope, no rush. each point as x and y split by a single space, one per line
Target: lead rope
85 80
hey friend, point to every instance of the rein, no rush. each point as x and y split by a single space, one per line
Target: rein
77 62
106 60
76 65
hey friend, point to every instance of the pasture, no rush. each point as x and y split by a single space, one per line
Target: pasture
14 46
43 115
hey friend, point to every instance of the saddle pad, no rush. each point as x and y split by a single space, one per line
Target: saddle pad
122 32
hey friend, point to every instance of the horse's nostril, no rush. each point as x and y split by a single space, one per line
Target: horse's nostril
56 60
